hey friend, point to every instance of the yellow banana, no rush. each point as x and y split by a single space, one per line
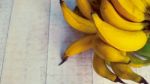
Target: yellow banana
129 11
147 1
85 8
120 39
140 5
102 70
109 53
110 15
77 22
77 47
125 72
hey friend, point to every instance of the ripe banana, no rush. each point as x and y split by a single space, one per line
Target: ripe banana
141 5
110 15
85 8
109 53
129 11
76 21
102 70
125 72
79 46
120 39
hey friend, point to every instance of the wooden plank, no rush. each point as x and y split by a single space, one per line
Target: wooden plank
5 12
77 70
27 44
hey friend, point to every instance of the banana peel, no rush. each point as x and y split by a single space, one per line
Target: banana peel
137 62
145 51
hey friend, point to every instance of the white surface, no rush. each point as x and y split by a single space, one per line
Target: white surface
5 12
29 59
76 70
27 44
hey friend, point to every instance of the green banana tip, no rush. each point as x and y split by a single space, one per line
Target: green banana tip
119 80
64 59
143 81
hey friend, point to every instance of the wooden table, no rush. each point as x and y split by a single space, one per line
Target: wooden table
33 36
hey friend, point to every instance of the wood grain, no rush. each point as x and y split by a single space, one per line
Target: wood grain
27 44
5 12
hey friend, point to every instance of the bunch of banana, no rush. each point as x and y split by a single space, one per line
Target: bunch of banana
116 30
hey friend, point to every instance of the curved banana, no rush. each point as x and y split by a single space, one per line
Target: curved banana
102 70
76 21
110 15
120 39
109 53
140 5
79 46
129 11
85 8
125 72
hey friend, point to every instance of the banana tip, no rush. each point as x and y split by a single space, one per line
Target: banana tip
61 1
64 59
119 80
143 81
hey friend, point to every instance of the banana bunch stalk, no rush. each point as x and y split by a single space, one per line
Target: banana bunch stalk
116 30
